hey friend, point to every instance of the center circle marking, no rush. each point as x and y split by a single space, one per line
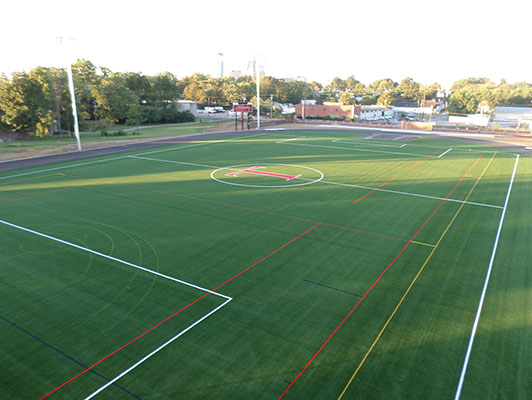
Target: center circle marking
235 167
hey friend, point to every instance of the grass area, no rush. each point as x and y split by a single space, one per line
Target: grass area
326 288
49 142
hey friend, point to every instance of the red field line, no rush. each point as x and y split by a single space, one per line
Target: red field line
419 162
373 191
177 312
256 210
376 281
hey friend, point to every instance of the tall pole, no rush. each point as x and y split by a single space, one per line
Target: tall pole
72 97
258 93
74 109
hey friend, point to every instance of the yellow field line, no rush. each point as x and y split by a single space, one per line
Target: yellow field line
423 244
413 281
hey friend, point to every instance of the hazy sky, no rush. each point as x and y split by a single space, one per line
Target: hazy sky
426 40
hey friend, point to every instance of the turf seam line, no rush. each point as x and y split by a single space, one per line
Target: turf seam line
374 284
394 312
13 324
485 286
333 288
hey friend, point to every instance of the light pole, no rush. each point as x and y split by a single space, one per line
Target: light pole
72 95
258 92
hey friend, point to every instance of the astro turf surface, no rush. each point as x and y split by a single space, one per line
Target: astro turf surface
274 265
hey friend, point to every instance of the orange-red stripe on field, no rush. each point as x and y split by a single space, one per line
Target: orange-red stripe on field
373 191
255 210
426 158
177 312
376 281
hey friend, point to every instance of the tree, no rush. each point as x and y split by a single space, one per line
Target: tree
385 99
462 101
134 116
25 102
141 86
164 87
383 85
346 98
410 89
114 98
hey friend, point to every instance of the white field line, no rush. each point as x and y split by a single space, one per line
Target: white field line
156 350
335 183
113 259
175 162
367 143
485 287
407 194
441 155
227 299
122 157
294 138
63 167
357 149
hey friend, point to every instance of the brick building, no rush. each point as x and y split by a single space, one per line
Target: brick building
327 110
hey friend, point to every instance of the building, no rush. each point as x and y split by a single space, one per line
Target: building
188 105
341 111
371 113
511 114
337 110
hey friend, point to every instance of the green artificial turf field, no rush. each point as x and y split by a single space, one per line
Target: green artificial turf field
301 265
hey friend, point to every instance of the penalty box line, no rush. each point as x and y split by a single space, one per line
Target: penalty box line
112 381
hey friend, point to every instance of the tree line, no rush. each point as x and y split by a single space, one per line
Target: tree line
38 102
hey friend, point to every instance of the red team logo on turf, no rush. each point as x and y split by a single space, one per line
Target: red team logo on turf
253 170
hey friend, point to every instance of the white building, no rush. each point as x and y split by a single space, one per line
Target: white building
188 105
369 113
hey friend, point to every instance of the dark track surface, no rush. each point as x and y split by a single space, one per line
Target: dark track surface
73 156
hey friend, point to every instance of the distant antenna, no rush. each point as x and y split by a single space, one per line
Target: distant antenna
221 59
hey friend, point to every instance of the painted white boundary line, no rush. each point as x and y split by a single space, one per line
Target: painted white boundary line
485 287
227 299
174 162
156 350
441 155
357 149
331 183
368 143
122 157
113 258
63 167
409 194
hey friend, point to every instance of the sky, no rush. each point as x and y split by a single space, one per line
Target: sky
425 40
